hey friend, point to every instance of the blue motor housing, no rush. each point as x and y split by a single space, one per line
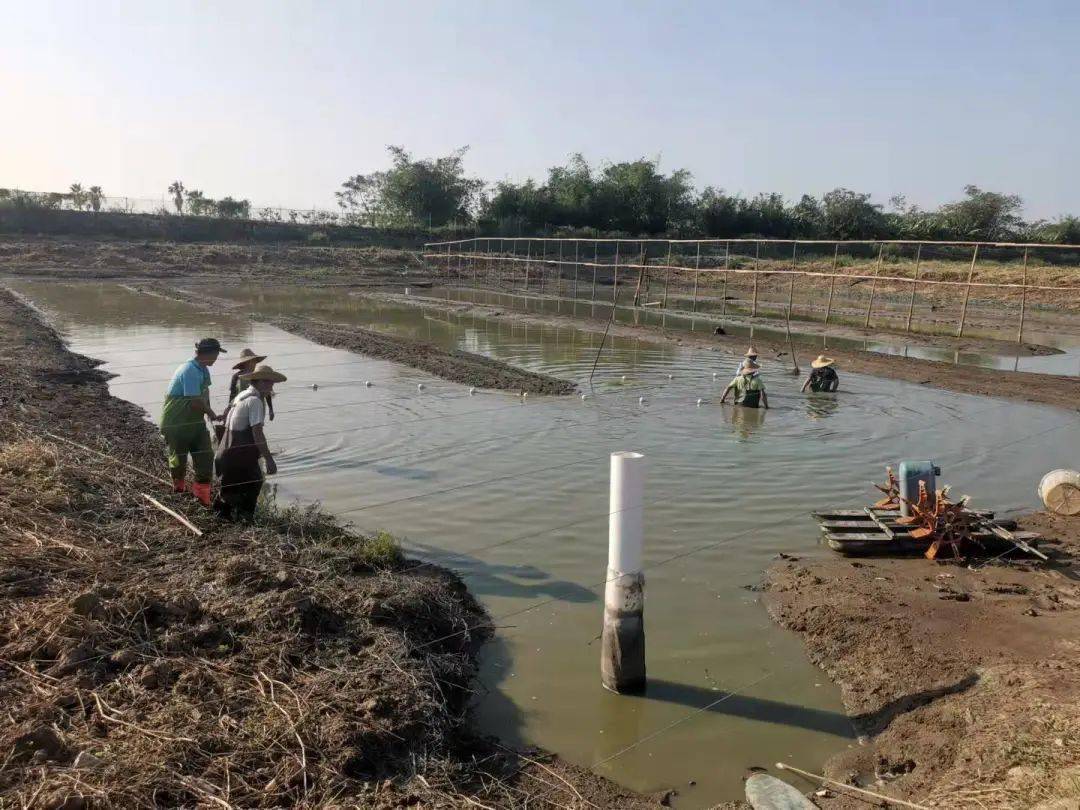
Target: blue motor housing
911 473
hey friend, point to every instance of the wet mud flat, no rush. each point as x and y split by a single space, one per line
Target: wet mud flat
292 661
964 682
1049 389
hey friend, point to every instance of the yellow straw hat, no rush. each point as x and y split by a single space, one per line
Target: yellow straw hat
248 356
821 362
751 352
263 373
748 368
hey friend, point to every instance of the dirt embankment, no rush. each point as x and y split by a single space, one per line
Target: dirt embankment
289 662
1049 389
965 681
454 365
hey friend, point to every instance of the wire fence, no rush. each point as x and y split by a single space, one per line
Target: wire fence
843 281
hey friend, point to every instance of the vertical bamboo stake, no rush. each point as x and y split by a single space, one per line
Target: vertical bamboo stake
1023 301
528 261
667 278
873 286
757 256
697 267
641 275
967 292
577 245
832 282
558 270
543 266
791 286
448 260
615 281
914 284
595 264
727 265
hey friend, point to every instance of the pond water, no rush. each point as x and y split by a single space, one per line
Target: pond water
513 494
1065 359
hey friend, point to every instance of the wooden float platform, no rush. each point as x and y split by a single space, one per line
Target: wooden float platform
862 532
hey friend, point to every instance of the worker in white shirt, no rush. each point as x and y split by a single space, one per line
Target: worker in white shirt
244 443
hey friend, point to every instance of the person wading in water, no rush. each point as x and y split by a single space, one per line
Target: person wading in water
748 387
823 377
187 404
247 360
243 444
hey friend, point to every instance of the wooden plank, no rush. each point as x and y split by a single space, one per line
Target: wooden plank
859 514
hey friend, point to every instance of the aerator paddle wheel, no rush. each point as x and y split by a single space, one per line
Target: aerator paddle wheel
943 523
891 489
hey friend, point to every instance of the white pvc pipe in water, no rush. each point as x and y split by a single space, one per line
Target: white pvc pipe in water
622 648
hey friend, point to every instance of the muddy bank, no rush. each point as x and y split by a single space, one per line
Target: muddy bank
964 681
1058 390
454 365
457 366
294 661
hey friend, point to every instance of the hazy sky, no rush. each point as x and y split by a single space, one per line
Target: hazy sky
281 101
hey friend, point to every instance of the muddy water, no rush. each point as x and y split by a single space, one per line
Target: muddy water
513 495
1065 359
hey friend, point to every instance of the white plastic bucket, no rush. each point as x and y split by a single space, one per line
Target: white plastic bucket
1060 491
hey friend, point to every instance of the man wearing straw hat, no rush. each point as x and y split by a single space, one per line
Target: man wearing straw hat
748 387
751 357
243 444
187 403
246 362
823 376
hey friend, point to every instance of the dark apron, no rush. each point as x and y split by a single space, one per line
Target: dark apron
237 462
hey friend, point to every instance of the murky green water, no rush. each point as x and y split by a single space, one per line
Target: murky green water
513 495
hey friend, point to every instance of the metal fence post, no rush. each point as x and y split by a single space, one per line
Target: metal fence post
967 292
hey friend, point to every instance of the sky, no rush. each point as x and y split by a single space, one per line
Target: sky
279 102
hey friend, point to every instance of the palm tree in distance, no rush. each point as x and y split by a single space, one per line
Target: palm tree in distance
177 190
78 196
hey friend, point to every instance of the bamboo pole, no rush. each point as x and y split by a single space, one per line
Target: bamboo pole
697 268
667 277
448 260
1023 301
577 246
967 292
596 263
791 286
180 518
558 269
914 284
832 282
844 786
543 267
757 257
528 261
873 285
641 276
727 265
615 280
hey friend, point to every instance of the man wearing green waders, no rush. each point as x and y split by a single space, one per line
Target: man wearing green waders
187 404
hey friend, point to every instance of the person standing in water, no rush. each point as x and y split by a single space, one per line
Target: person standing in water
243 444
823 377
748 387
187 405
246 362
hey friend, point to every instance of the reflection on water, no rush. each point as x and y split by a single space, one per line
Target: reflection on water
514 496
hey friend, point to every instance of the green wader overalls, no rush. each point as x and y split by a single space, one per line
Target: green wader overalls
186 434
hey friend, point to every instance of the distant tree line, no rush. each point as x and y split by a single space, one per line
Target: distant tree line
636 198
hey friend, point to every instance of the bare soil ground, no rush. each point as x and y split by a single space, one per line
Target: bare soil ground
964 681
291 662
